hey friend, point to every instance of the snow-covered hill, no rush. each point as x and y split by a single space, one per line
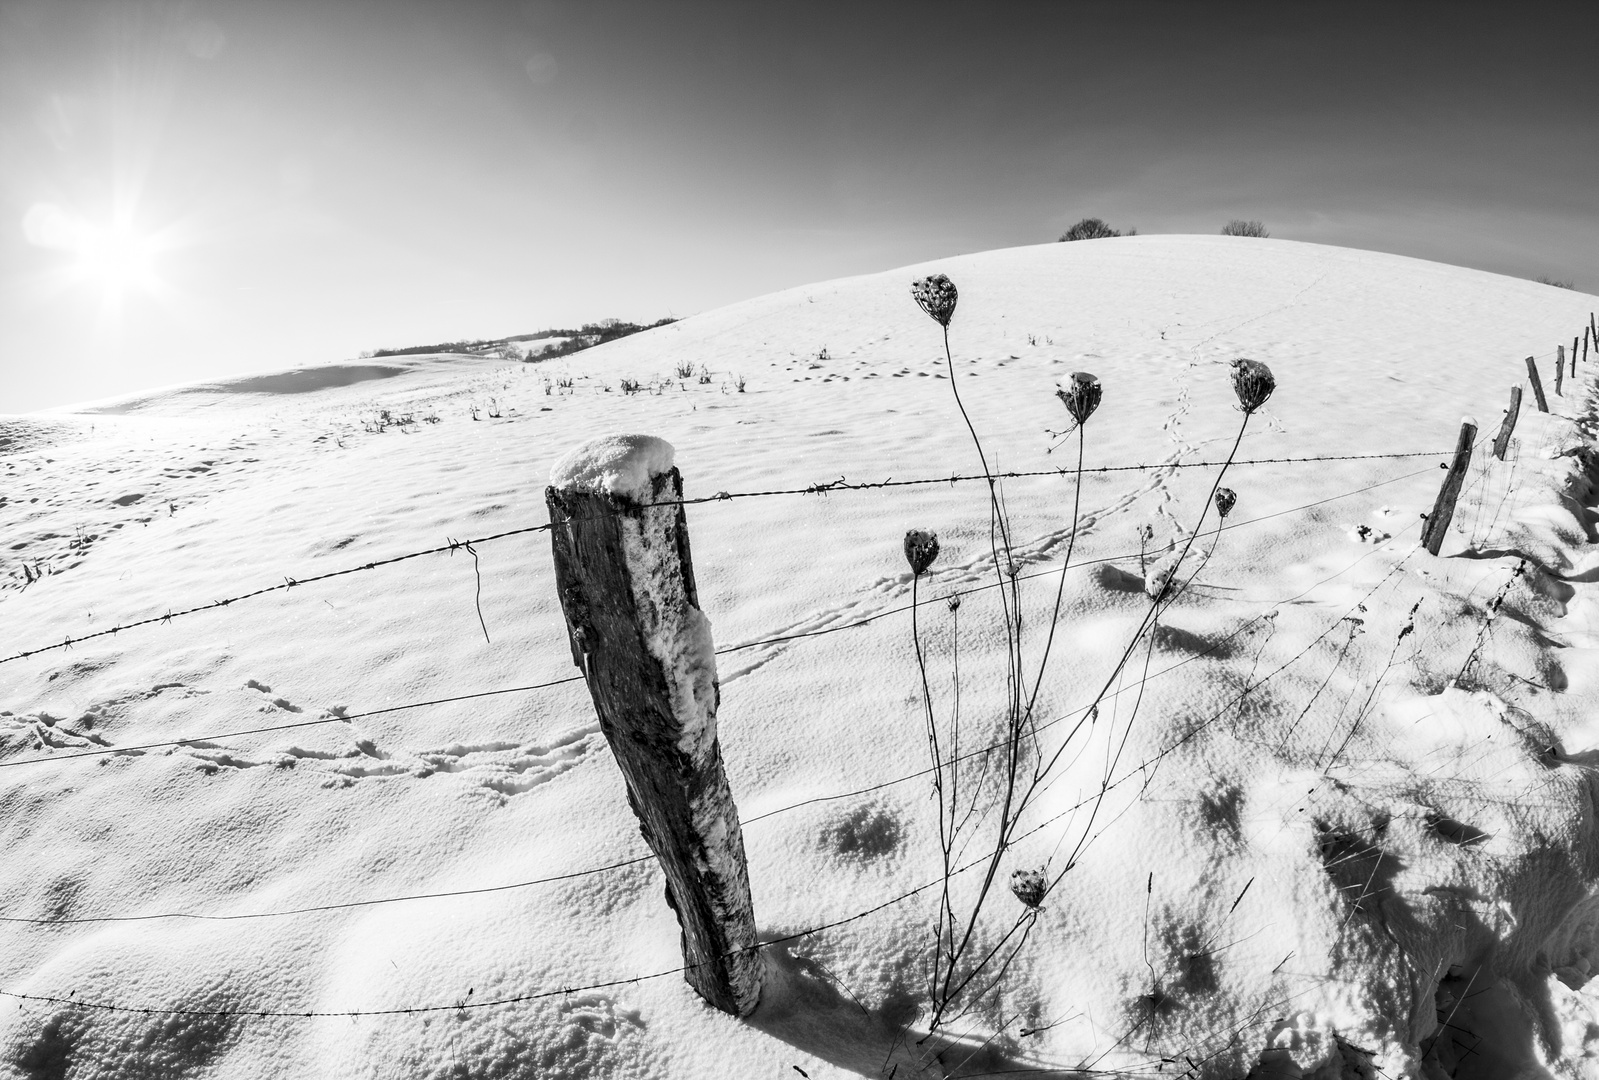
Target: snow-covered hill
1346 792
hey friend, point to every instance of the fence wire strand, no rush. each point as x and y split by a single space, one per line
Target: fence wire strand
725 650
841 484
462 1005
622 864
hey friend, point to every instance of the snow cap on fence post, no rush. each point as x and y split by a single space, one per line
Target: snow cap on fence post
622 465
625 580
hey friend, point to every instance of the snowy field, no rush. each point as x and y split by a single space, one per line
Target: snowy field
1334 817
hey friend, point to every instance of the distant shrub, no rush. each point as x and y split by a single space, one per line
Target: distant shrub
585 336
590 334
1092 228
1544 279
1239 227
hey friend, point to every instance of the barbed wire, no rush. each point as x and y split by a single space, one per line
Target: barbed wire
342 905
841 484
463 1004
1130 688
287 583
331 718
643 858
844 484
725 650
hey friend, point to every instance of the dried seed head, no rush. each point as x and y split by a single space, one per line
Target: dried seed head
936 294
1081 396
1029 886
921 548
1225 498
1253 383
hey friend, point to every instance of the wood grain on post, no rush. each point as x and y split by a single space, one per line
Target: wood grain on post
1537 385
1443 511
1502 440
1560 366
626 583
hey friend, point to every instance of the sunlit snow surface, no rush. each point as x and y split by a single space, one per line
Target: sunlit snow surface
1413 816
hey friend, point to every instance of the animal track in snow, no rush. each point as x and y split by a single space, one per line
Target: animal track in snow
895 589
508 768
211 759
513 768
597 1015
42 731
276 703
505 767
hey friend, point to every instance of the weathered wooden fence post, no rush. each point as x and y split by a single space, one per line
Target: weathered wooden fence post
1502 440
1560 366
1443 511
1537 385
1573 358
626 584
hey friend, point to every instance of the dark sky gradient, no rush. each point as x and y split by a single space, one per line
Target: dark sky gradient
323 178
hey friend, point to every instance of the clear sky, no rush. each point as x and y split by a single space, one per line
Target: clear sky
199 189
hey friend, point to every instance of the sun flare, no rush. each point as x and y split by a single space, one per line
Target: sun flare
117 257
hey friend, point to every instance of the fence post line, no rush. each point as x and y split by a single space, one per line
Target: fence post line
626 585
1537 385
1444 509
1502 440
1560 366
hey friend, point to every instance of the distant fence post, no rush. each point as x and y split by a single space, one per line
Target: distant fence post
1560 366
1586 334
1573 358
1443 511
1537 385
626 583
1502 440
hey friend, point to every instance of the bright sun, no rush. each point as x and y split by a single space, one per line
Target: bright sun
116 257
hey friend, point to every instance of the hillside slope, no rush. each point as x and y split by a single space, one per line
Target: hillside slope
1333 812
